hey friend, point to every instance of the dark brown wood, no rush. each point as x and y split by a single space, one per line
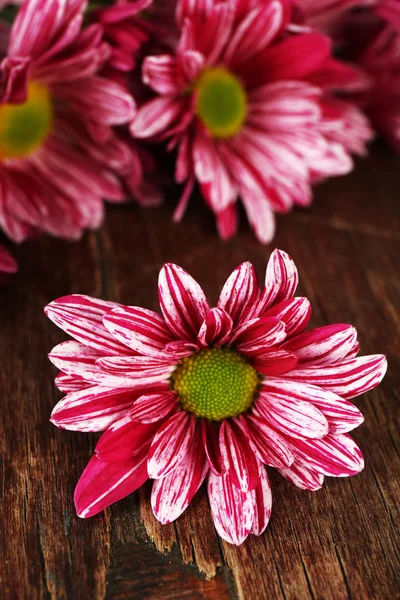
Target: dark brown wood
341 542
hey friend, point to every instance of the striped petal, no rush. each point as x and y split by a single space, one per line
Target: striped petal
232 510
238 457
334 455
77 360
216 328
92 409
172 494
348 379
240 292
142 330
295 313
303 477
281 280
210 436
136 372
103 483
291 415
125 439
170 444
274 363
70 383
262 503
323 345
82 318
267 444
257 335
153 407
182 302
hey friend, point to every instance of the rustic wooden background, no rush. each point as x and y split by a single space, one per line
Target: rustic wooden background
338 543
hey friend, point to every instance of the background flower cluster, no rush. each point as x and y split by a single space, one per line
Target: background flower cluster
255 100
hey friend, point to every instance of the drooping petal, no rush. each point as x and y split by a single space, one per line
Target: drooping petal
323 345
124 439
290 415
153 407
342 416
232 510
142 330
238 457
257 335
281 280
348 379
92 409
267 444
81 317
262 503
103 483
334 455
240 292
302 477
274 363
210 435
295 313
171 442
172 494
216 328
182 301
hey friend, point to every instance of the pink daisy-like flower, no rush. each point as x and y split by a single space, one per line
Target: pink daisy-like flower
250 109
8 266
59 155
198 393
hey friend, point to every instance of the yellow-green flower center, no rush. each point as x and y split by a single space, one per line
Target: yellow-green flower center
221 102
24 127
215 384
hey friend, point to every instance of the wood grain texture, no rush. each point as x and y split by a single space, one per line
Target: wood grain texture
341 542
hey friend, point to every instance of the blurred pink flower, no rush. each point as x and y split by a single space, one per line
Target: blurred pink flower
8 265
251 110
210 393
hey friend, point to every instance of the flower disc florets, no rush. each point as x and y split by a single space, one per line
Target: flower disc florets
215 384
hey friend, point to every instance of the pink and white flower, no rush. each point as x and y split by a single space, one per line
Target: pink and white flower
250 109
8 265
200 394
60 155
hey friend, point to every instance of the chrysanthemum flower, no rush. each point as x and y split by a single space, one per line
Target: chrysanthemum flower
250 110
198 393
8 266
57 144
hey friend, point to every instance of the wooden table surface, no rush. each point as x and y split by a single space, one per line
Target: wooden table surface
340 542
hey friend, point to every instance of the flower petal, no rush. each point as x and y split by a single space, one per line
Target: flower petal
240 292
171 442
267 444
302 477
77 360
281 280
142 330
262 503
124 439
172 494
323 345
348 379
210 436
232 510
238 457
150 408
257 335
159 72
182 301
290 415
334 455
70 383
136 372
103 483
295 313
92 409
216 328
274 363
81 317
